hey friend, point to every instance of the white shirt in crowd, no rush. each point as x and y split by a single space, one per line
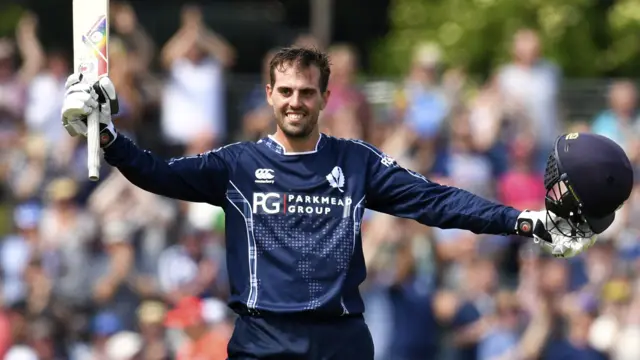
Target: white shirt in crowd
193 101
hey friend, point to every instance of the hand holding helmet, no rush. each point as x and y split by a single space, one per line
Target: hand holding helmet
588 177
548 231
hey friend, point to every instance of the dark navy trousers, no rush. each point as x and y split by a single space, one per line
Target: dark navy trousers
291 338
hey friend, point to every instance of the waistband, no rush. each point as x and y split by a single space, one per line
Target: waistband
302 316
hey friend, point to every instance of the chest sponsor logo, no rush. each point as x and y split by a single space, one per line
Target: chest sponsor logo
283 203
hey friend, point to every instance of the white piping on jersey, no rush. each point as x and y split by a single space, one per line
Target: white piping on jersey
356 223
252 299
228 145
356 230
412 173
344 307
284 152
171 161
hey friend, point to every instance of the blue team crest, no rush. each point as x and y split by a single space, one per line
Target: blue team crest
336 178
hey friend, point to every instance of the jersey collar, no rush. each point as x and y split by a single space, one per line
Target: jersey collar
274 145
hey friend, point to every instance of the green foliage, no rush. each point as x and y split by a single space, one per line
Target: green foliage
9 16
585 37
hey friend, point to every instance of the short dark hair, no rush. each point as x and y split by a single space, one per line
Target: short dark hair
303 57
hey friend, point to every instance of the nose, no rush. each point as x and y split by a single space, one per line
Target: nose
295 101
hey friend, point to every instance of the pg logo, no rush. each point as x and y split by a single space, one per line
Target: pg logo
266 203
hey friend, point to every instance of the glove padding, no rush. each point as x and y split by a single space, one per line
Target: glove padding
545 228
81 99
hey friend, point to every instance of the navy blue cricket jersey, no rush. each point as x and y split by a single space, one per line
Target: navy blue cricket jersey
293 220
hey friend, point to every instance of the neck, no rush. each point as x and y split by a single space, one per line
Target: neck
525 63
623 115
521 166
296 145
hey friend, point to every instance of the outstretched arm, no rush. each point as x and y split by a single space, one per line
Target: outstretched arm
401 192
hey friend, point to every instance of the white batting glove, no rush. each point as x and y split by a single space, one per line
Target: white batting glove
81 99
545 228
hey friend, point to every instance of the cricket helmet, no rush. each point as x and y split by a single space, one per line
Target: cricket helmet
587 178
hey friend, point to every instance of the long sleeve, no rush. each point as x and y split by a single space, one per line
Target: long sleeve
199 178
401 192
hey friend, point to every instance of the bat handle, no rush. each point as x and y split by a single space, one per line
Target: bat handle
93 145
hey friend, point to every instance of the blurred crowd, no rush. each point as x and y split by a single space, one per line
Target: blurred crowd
107 271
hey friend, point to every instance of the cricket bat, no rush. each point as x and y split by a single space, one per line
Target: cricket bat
91 58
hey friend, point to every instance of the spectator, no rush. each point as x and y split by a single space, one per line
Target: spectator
16 253
620 121
258 120
522 186
14 82
422 104
460 161
113 275
44 97
124 345
189 268
151 317
504 328
529 86
21 352
29 169
201 341
193 103
67 231
348 114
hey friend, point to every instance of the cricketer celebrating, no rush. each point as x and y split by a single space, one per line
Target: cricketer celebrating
294 202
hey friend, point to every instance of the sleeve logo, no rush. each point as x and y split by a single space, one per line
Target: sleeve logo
387 161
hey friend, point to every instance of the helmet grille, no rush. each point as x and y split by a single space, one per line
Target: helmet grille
551 173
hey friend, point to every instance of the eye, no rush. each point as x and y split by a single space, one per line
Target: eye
285 91
308 92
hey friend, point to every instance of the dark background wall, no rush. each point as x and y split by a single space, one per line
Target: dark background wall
251 26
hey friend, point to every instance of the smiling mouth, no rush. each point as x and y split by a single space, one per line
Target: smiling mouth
294 116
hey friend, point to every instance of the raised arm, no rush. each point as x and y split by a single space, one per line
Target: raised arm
401 192
199 178
33 57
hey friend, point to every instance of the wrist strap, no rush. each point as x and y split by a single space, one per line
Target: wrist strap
106 136
524 225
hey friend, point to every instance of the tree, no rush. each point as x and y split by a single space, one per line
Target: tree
586 38
9 16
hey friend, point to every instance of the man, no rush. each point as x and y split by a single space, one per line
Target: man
294 202
203 340
190 268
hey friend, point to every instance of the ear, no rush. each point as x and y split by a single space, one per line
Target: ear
269 91
325 99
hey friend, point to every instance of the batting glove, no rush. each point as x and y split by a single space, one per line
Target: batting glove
547 230
81 99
